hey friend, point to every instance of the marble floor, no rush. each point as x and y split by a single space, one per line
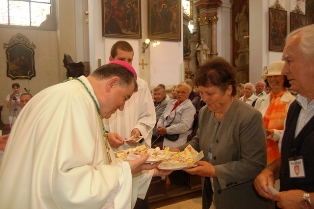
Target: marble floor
195 203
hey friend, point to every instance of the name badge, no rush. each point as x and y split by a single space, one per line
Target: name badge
296 167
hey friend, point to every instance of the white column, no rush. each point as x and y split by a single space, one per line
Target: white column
224 46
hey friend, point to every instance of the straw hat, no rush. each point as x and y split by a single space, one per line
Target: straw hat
273 69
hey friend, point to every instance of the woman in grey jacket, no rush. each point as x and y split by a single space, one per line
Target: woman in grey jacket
232 137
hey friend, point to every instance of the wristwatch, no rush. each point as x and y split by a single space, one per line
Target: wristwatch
306 201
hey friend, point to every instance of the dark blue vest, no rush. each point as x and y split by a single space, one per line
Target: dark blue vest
301 145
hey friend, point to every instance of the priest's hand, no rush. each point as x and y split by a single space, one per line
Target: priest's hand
3 141
203 168
115 140
139 164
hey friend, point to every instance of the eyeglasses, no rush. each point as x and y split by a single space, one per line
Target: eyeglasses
181 92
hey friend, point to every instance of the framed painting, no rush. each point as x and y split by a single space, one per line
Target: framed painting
20 62
297 21
277 29
164 20
121 18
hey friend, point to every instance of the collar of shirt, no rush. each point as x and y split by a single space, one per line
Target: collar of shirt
304 102
306 113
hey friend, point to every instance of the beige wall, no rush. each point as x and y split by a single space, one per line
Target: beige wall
46 63
49 51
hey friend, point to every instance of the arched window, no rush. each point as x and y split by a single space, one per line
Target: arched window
29 13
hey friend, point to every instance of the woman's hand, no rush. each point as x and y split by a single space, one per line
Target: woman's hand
161 130
203 168
270 134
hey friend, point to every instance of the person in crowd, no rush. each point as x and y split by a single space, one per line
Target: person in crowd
274 107
66 161
232 136
267 88
295 167
191 83
160 102
177 117
174 92
197 101
259 89
138 117
248 96
3 141
164 87
240 89
13 103
24 98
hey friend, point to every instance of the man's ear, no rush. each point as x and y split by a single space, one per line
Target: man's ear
112 82
110 58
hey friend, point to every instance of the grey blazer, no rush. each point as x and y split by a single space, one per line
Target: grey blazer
238 154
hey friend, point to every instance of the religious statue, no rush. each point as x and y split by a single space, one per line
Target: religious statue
202 51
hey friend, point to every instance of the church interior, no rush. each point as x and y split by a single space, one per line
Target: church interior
74 39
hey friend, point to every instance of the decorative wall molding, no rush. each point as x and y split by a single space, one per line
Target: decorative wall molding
298 10
277 5
19 39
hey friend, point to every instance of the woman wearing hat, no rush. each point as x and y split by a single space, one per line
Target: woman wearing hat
274 107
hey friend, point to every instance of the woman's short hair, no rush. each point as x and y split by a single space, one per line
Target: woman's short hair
157 88
189 88
216 72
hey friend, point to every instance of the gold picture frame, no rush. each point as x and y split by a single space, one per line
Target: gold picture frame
20 58
277 29
297 21
121 19
164 20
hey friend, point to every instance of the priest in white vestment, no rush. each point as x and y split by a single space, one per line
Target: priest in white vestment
138 116
139 113
57 155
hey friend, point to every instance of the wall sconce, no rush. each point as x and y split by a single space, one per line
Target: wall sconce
191 26
145 45
147 42
156 43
